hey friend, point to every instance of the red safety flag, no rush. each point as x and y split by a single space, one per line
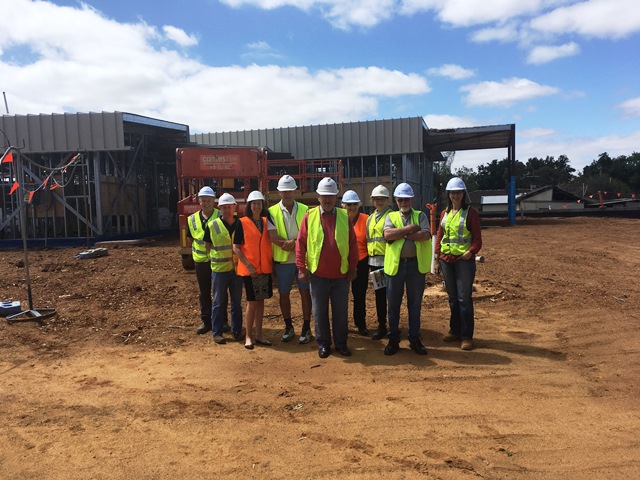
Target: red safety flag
31 196
578 200
633 195
590 196
14 188
604 193
54 186
619 194
564 206
8 158
46 180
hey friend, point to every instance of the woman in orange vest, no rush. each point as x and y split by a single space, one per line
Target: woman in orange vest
252 246
351 203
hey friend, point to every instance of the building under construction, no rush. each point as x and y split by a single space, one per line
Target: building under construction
124 183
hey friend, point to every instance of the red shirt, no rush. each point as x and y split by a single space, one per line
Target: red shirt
330 261
473 225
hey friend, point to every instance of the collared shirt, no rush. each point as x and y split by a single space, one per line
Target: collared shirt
291 226
409 246
329 266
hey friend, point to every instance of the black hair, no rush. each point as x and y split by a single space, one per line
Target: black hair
248 212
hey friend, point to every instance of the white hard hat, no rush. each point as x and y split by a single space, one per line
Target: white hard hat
226 199
380 191
206 192
255 195
455 183
327 186
287 184
403 190
350 197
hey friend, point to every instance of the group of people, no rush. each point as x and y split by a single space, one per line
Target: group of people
324 249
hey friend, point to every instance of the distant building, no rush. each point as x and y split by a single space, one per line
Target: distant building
542 199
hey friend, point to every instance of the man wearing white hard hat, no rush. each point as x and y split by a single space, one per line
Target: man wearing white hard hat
287 216
351 203
406 262
327 256
197 223
219 237
376 248
458 242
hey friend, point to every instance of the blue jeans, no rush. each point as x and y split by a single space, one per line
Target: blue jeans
335 290
458 280
220 283
407 274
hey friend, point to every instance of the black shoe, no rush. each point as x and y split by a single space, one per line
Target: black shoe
392 347
237 336
203 328
264 343
364 331
379 333
288 334
219 339
344 351
418 347
248 346
324 352
225 327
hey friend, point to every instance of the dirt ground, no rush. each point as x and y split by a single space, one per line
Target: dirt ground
118 386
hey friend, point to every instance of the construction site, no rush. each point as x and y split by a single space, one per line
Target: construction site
117 384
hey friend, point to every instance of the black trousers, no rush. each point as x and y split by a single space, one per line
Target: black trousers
381 303
203 274
359 292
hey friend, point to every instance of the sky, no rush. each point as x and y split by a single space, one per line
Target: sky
566 72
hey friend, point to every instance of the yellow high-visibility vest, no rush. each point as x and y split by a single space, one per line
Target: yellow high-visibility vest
315 237
392 255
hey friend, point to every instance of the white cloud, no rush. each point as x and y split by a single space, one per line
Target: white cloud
502 33
76 70
592 18
449 121
546 53
536 132
505 93
261 50
581 151
449 70
631 107
179 36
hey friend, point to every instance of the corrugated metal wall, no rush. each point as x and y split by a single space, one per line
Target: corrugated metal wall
67 132
337 140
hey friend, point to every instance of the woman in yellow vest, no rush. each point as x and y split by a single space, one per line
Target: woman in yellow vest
351 203
457 244
252 246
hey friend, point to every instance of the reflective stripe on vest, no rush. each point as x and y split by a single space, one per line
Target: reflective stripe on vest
280 255
394 249
315 237
456 239
376 244
221 254
198 249
256 248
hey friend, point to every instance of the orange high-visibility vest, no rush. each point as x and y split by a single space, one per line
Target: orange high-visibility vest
360 229
256 248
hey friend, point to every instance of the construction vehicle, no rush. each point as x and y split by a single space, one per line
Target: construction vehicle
238 171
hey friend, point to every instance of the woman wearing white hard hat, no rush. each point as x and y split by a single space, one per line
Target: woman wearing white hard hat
458 242
351 203
252 246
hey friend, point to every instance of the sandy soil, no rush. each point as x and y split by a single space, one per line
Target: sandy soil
119 385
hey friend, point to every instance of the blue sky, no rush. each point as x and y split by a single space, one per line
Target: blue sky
566 72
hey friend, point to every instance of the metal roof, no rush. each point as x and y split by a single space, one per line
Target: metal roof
470 138
68 132
337 140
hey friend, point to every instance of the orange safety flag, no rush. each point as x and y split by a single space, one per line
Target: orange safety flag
14 188
31 196
578 200
619 194
564 206
54 186
590 196
633 195
46 180
8 158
